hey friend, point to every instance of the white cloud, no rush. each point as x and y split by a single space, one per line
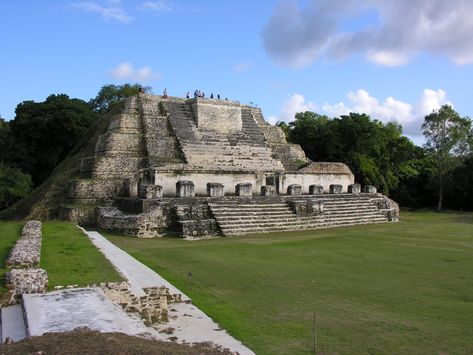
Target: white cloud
297 35
410 116
126 71
157 7
109 12
294 104
242 67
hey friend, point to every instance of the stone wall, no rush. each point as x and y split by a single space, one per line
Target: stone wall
217 115
93 189
21 281
25 258
325 180
168 181
27 250
151 308
149 224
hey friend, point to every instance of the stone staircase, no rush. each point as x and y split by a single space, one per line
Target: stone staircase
237 217
211 150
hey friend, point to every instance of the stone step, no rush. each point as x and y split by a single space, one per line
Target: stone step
241 231
13 323
225 225
243 206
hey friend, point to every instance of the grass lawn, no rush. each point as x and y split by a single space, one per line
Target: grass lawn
66 253
394 288
9 233
70 258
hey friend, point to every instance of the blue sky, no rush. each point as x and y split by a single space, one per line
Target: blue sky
393 60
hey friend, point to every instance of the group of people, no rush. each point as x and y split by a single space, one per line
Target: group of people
197 93
201 94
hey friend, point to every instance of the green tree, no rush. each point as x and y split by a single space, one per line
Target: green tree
377 153
111 94
14 185
448 141
42 134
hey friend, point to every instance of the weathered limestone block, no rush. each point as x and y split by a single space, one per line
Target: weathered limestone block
82 215
268 190
197 211
150 191
185 189
336 189
354 188
152 307
149 224
368 189
27 281
316 189
93 189
315 206
294 189
215 189
130 187
198 228
310 207
27 250
388 207
244 189
220 116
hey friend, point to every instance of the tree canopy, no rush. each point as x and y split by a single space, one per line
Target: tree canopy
448 141
377 153
43 133
111 94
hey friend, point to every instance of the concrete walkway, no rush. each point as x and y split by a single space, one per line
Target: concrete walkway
187 323
138 275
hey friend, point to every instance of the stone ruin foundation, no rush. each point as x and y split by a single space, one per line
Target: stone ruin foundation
205 168
24 275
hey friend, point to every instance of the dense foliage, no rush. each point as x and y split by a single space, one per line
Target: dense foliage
379 155
43 133
448 142
14 185
111 94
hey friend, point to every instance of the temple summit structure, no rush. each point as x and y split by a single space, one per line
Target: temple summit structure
204 167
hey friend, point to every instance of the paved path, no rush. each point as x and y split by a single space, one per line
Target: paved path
138 275
190 324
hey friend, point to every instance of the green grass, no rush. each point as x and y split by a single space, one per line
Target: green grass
393 288
66 254
70 258
9 233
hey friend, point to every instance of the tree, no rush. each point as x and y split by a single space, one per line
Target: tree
42 134
111 94
14 185
377 153
448 141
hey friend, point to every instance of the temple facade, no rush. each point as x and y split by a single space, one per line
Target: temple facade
204 167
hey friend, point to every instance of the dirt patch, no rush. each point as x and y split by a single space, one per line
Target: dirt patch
93 342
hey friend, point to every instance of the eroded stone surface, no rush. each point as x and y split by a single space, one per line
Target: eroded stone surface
22 281
27 250
354 188
336 189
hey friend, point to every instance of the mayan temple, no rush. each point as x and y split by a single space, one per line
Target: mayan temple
204 167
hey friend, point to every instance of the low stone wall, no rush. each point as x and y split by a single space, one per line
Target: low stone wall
388 207
27 250
21 281
149 224
25 257
151 308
